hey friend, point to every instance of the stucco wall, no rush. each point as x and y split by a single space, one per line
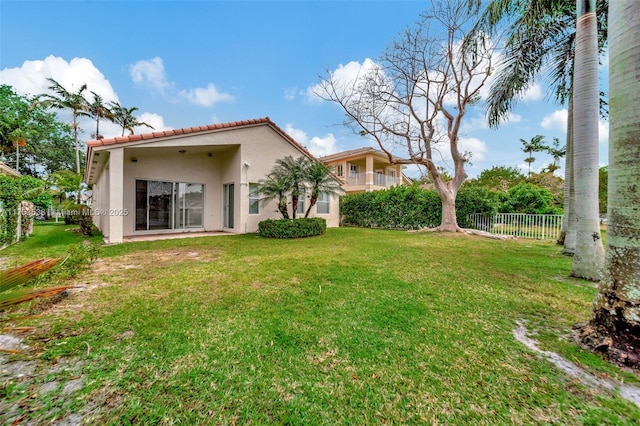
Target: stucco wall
239 156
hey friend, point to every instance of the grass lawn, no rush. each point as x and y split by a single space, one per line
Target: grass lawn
354 327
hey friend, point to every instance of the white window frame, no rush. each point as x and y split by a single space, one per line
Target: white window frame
323 203
254 199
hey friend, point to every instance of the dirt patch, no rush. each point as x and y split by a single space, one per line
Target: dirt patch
64 378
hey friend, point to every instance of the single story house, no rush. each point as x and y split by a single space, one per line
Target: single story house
195 179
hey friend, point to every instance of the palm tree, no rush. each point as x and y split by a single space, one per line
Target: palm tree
616 315
541 32
275 186
321 180
124 118
589 256
557 153
98 110
296 171
74 101
535 145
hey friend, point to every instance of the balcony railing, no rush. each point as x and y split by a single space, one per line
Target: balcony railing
378 180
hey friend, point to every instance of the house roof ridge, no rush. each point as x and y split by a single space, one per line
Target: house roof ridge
180 131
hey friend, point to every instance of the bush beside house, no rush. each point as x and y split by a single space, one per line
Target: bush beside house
292 228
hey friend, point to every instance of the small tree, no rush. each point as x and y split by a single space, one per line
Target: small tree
320 180
293 177
536 144
417 96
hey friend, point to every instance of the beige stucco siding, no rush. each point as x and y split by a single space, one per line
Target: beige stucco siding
238 156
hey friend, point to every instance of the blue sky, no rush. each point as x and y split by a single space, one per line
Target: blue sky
189 63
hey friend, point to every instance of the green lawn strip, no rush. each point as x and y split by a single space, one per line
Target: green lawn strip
49 240
353 327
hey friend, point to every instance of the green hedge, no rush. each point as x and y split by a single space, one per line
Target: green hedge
292 228
412 207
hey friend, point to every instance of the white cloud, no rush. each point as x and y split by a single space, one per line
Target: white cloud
150 73
344 78
603 132
475 146
31 77
316 145
155 120
205 96
557 120
533 93
291 93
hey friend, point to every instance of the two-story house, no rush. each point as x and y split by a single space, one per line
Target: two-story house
365 170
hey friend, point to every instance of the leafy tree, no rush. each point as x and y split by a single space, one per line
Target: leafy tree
551 183
603 186
427 77
74 101
124 118
536 144
48 143
498 178
528 198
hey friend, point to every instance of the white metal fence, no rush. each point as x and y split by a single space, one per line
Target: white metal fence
537 226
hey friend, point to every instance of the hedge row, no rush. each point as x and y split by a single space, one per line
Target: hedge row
413 207
292 228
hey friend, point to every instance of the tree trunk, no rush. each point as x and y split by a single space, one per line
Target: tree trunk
75 137
616 313
568 232
449 221
588 258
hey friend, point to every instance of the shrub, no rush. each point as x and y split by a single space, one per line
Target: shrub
475 199
528 198
412 207
292 228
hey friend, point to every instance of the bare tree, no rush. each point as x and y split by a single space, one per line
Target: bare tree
415 97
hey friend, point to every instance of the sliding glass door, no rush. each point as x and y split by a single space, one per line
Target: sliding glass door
168 205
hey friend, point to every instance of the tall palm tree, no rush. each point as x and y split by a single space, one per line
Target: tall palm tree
616 316
589 255
536 144
98 110
321 180
124 118
74 101
541 38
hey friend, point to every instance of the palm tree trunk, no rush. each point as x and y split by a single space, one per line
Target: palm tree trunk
75 138
588 258
617 307
569 217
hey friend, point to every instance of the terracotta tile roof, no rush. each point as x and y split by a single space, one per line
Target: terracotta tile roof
196 129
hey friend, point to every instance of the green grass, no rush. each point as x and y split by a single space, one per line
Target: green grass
357 326
50 239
